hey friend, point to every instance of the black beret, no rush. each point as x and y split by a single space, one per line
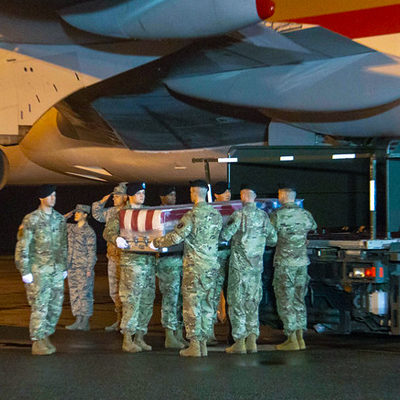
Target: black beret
134 187
220 187
46 190
287 185
248 186
165 191
199 183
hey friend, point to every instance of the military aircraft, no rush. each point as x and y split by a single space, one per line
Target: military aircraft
120 90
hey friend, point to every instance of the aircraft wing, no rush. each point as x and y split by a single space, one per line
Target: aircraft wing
226 88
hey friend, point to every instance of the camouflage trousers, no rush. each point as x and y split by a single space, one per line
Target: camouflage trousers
244 296
137 292
80 290
198 292
45 296
222 273
114 276
290 285
169 272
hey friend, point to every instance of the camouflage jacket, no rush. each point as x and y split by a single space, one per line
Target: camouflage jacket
102 214
292 224
250 230
42 243
81 246
111 231
199 229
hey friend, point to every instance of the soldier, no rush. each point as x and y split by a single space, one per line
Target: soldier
199 229
292 224
221 193
102 214
137 283
41 258
250 230
81 261
169 272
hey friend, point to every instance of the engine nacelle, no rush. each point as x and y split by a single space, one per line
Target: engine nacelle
4 169
166 19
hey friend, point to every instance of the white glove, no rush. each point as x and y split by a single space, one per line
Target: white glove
122 243
28 278
65 274
151 245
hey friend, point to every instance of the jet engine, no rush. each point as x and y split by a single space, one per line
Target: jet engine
166 19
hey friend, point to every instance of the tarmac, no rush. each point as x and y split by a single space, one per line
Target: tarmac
91 365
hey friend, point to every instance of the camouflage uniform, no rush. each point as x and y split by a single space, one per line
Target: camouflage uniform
292 224
81 259
199 228
169 272
42 250
223 261
104 215
137 283
251 231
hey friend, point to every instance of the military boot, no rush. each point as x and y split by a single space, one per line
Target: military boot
238 347
139 341
115 326
179 336
171 342
290 344
75 325
129 346
203 348
193 350
84 325
251 343
39 348
50 345
300 340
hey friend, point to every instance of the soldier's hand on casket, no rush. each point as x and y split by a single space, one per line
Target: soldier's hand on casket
122 243
151 245
28 278
65 274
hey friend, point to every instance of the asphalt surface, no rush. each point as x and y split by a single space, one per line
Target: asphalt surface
90 365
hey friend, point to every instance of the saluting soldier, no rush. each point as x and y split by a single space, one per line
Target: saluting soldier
102 214
137 283
199 229
250 230
169 273
81 261
41 258
292 224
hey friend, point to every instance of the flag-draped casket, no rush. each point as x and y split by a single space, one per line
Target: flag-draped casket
140 226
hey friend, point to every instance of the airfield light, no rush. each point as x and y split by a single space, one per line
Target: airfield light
343 156
372 195
228 160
